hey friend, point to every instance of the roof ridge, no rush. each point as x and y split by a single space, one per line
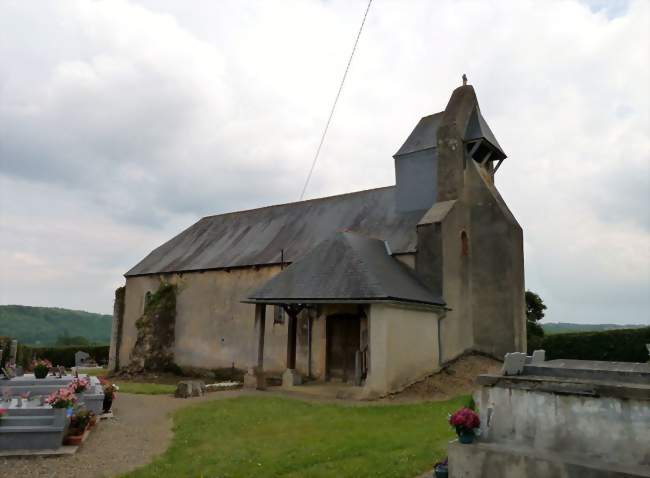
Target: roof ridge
298 202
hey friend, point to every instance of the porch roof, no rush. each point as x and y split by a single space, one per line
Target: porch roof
346 268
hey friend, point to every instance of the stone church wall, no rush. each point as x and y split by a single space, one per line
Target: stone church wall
213 328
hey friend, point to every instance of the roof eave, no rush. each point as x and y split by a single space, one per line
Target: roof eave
372 300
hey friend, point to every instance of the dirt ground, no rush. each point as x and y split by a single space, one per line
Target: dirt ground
453 380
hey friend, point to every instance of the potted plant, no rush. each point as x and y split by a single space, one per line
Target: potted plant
79 385
465 421
62 398
79 422
441 469
110 393
41 367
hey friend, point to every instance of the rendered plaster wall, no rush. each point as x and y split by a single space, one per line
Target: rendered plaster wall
319 337
496 268
116 329
456 328
213 328
406 259
593 427
482 283
403 347
317 345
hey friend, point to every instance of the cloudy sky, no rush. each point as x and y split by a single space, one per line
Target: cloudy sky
123 122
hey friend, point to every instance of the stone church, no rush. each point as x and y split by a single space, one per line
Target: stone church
374 288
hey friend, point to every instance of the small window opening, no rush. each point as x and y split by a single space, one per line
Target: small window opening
147 299
278 315
464 244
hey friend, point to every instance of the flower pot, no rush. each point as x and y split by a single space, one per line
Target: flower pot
107 404
74 440
40 373
441 472
466 437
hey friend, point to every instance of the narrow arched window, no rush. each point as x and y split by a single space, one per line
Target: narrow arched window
464 244
147 299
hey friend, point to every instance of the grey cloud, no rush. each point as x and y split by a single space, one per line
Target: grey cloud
123 122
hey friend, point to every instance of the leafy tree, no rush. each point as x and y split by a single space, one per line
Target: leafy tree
535 308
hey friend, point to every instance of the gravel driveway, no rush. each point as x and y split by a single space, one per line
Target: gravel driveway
140 430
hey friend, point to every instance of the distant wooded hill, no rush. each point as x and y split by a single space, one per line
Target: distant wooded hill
565 327
54 326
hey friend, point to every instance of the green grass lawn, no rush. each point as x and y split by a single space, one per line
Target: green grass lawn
145 388
270 436
94 372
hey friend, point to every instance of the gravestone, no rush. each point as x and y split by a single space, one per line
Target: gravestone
190 388
13 351
80 358
539 356
513 363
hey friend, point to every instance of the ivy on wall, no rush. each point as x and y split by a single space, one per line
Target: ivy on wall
154 345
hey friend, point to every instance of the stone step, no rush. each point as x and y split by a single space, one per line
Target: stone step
21 421
591 370
30 411
31 437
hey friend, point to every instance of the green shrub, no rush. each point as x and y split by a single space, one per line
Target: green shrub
62 355
622 345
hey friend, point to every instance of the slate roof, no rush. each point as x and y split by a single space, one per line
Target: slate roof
425 134
256 237
346 267
478 128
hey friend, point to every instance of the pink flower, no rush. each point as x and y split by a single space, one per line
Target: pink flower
79 385
62 398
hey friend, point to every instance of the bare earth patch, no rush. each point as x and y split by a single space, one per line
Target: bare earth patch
457 378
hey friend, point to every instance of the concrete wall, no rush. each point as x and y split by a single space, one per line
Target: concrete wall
489 460
213 328
403 347
612 429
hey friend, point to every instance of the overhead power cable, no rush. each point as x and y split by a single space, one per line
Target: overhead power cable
338 94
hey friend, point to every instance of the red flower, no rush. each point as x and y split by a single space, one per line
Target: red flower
464 420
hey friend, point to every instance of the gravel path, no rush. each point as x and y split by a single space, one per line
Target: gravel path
140 430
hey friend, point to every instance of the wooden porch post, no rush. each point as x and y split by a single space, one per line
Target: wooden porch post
291 340
260 325
291 377
255 376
